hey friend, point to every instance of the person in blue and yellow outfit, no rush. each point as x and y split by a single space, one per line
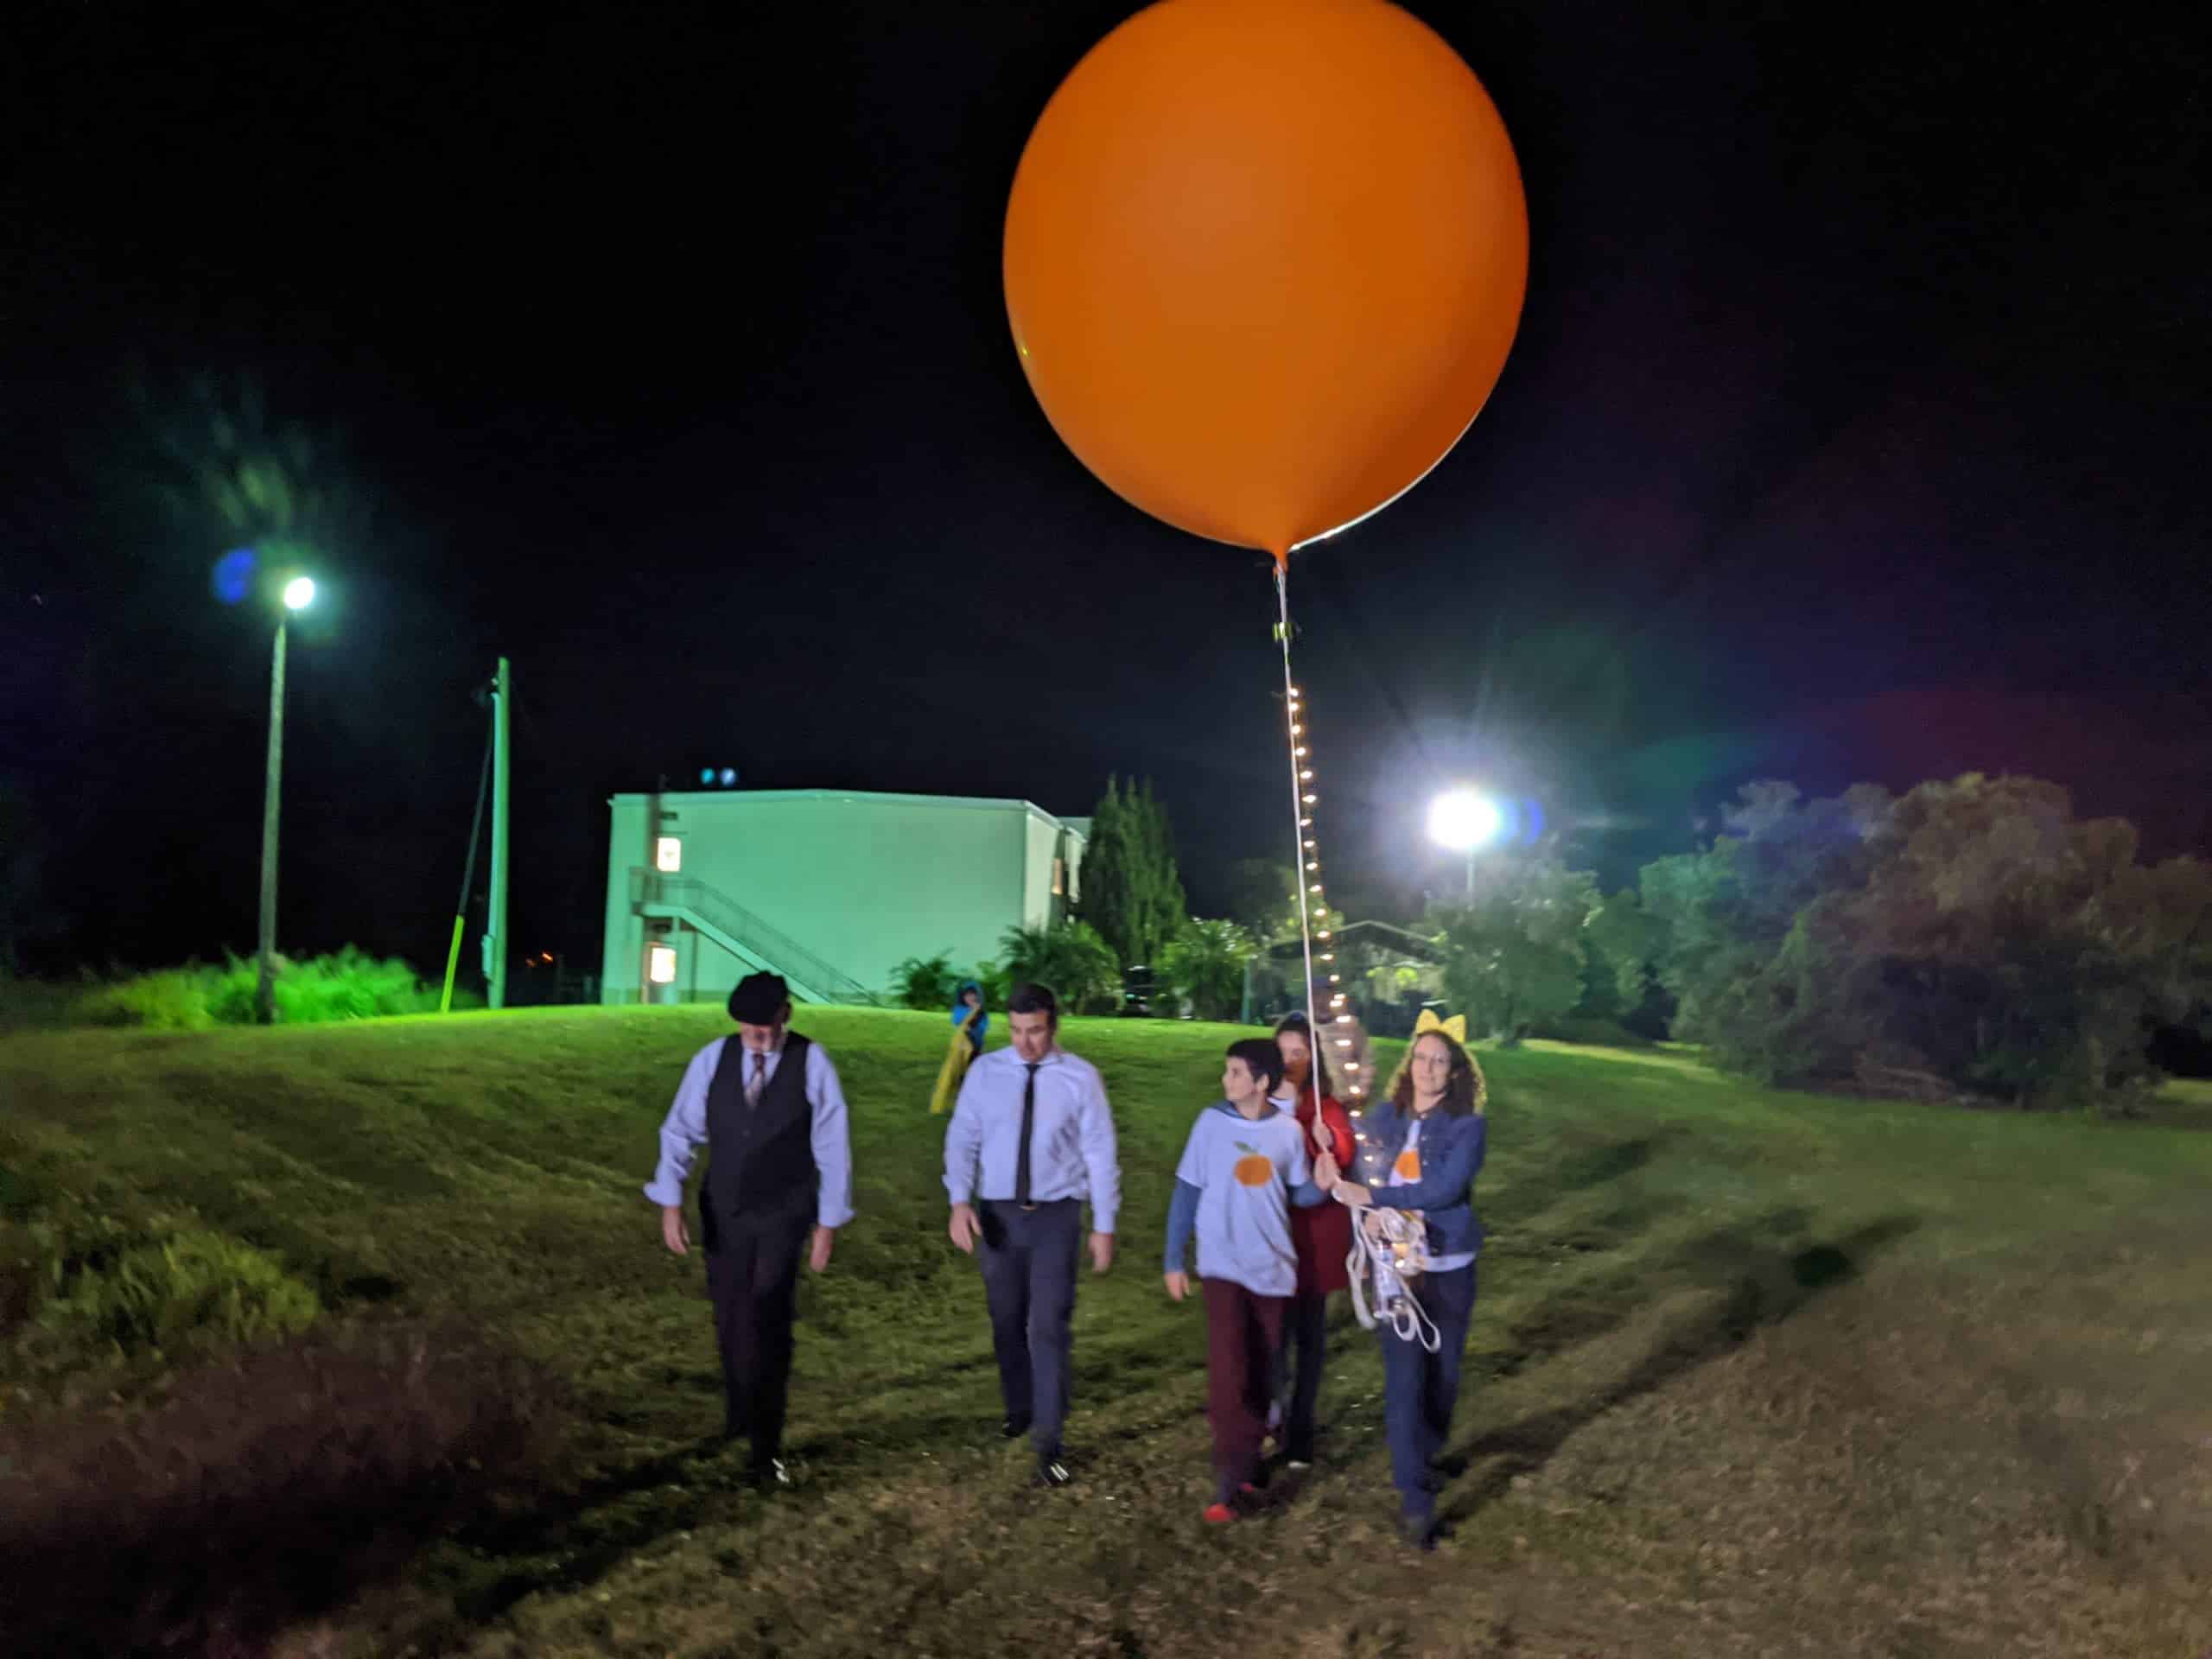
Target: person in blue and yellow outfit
971 1023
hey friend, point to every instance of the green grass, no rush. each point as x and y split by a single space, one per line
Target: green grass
1751 1373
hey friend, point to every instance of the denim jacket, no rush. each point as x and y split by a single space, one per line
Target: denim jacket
1450 1152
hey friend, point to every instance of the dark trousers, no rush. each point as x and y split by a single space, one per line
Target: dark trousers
1305 1327
1028 1258
1420 1389
754 1279
1244 1332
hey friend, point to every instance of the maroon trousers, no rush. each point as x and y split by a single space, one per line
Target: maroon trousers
1243 1331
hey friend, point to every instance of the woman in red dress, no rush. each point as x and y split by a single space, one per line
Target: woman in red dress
1323 1235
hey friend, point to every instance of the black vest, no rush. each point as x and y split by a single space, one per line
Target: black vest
760 1172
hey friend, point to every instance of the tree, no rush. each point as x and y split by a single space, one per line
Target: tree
1205 966
1263 897
1726 913
1130 890
1071 958
2011 948
1512 951
1972 936
1620 943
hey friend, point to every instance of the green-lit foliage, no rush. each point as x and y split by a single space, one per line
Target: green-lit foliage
350 985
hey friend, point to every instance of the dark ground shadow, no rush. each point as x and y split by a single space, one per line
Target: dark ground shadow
260 1492
1764 1286
1589 1166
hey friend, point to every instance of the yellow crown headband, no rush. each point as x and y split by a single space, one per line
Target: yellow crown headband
1455 1028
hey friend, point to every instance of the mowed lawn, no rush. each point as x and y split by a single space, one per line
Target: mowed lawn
1750 1374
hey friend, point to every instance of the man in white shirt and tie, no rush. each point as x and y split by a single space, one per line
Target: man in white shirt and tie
1031 1138
779 1185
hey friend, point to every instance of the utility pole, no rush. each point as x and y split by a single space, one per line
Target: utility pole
467 870
495 925
295 596
265 983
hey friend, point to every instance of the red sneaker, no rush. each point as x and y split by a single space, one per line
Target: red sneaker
1218 1514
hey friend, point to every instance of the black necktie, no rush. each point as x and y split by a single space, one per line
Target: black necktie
1028 1127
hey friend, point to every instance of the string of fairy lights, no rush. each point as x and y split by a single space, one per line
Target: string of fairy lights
1314 916
1315 927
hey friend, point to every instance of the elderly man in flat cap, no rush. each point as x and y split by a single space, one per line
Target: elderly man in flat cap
779 1185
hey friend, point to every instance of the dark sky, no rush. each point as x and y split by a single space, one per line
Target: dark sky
1856 430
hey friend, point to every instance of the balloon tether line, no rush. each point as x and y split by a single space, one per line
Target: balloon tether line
1301 821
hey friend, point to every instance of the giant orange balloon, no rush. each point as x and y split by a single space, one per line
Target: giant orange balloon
1264 259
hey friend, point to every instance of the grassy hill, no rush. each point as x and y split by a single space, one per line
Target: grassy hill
1751 1373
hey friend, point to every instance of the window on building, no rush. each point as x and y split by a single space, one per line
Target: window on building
668 854
1059 878
660 964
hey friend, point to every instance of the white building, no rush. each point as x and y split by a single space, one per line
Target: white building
830 888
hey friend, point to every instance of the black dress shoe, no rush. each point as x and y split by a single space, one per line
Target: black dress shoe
769 1475
1013 1428
1054 1473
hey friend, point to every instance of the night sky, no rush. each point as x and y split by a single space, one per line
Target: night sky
1856 430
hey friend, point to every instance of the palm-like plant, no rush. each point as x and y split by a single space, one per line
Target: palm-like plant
1205 964
925 981
1071 958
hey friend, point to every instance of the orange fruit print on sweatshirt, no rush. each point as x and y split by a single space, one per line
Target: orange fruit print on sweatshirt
1408 1168
1253 1168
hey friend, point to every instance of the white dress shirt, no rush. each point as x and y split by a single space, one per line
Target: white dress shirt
684 1130
1072 1153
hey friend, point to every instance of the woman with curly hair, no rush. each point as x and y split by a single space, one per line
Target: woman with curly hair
1420 1152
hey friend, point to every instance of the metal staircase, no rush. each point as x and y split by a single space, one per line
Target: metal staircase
745 936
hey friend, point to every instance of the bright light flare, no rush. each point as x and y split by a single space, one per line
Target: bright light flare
299 593
1463 821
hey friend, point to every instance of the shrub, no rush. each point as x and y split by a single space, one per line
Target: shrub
164 1284
925 983
350 985
175 999
996 986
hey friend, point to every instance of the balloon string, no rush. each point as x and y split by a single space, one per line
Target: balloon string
1300 822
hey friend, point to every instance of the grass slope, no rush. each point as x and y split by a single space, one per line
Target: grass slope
1751 1373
